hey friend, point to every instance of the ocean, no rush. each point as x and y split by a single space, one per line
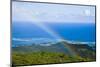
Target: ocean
83 32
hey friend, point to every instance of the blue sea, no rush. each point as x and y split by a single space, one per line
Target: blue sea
84 32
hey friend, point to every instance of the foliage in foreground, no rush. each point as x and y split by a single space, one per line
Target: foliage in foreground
34 58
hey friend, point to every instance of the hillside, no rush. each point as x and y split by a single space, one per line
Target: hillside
60 52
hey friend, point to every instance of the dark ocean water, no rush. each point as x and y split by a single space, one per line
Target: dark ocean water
84 32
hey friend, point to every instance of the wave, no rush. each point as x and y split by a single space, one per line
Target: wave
49 40
20 39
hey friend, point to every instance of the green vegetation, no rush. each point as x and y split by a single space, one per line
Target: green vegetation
34 58
56 53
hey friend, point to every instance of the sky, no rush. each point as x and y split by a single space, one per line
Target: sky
42 12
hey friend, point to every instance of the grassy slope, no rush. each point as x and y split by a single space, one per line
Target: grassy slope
33 55
44 58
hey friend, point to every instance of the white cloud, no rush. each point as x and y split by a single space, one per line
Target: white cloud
34 12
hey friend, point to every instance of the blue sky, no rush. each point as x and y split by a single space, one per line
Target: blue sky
42 12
